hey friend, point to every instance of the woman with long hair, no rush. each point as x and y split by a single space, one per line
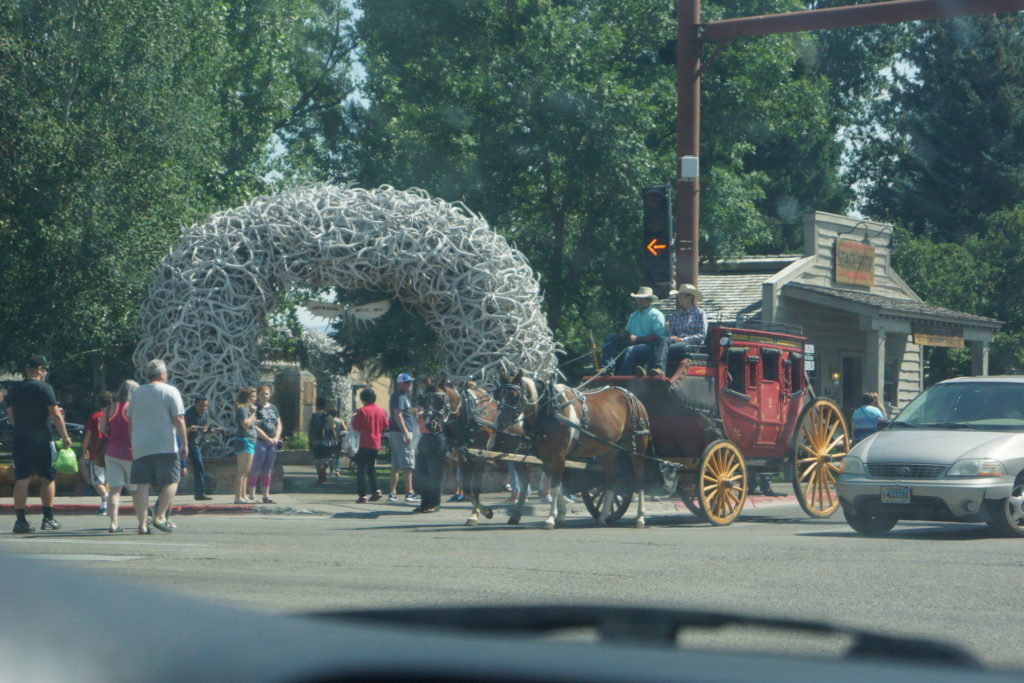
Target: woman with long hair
244 441
268 433
116 425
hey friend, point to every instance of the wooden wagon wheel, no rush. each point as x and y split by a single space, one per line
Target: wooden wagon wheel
593 498
820 444
688 494
722 482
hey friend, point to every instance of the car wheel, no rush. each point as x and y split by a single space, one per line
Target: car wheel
868 525
1006 516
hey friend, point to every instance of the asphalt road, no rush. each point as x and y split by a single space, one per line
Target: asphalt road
947 581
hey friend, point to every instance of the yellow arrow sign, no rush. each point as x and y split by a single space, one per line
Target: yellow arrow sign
654 246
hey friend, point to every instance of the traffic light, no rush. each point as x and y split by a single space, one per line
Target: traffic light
657 239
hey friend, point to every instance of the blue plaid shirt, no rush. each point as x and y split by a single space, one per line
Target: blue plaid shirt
690 324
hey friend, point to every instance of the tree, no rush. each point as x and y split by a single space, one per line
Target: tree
122 121
950 146
549 117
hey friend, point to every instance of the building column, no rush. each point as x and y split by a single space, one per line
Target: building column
979 357
874 361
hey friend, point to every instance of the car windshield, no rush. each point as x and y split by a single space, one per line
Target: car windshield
981 405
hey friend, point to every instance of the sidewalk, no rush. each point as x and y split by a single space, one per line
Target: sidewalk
302 495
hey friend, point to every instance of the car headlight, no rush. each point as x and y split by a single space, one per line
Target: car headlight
853 465
976 467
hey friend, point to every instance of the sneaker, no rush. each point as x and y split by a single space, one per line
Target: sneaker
377 495
101 510
49 524
392 497
571 499
548 498
412 498
362 499
22 526
456 498
657 372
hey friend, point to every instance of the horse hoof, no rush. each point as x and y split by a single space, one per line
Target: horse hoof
471 522
489 513
640 524
513 520
549 525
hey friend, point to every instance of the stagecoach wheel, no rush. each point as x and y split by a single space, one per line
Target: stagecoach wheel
820 444
722 482
593 498
688 494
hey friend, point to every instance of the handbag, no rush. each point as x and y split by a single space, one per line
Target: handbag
66 462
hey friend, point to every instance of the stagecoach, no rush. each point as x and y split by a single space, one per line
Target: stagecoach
742 410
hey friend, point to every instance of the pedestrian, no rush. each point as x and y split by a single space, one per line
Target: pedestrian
157 417
197 421
431 448
118 458
244 442
323 437
268 438
370 421
400 437
92 466
640 346
687 330
339 428
31 408
867 418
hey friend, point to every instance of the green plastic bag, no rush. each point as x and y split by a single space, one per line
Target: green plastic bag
66 462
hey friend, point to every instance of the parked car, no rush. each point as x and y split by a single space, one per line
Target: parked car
75 431
955 453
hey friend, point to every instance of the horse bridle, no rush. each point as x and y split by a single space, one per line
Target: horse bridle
437 409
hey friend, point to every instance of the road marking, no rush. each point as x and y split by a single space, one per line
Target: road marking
86 558
92 541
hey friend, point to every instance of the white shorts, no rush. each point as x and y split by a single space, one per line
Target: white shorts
97 474
119 473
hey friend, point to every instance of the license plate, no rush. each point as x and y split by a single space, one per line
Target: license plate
895 494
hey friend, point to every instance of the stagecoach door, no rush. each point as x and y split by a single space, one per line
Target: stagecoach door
771 399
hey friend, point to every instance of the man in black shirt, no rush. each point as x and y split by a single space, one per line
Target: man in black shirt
197 421
31 408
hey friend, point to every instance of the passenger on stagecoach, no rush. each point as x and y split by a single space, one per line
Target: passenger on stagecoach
643 339
687 330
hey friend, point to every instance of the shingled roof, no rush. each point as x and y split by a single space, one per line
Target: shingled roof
890 306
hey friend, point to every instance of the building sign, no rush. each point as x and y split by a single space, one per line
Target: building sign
855 263
930 334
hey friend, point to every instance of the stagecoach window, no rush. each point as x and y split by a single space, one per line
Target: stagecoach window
796 371
736 364
770 363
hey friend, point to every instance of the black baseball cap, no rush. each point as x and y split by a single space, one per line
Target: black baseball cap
37 360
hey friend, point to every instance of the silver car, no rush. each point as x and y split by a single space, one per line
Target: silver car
955 453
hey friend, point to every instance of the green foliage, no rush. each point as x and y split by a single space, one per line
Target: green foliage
123 121
297 441
951 148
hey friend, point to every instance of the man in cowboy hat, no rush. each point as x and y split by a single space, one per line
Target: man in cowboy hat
643 339
687 329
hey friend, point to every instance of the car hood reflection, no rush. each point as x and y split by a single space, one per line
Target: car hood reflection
938 446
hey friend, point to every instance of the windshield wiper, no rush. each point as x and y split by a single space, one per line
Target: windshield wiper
649 626
949 425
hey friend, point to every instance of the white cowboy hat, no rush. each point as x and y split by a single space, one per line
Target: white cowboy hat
687 288
645 293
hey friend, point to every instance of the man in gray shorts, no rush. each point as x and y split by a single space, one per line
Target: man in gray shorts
158 432
401 429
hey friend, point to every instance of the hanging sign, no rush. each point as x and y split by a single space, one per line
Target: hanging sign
855 263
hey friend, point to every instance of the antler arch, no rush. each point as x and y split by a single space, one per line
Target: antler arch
207 305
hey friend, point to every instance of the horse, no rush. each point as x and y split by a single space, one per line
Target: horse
471 421
563 423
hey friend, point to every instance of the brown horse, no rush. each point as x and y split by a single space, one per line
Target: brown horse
472 422
563 423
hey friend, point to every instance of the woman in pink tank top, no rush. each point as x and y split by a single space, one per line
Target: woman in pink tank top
117 427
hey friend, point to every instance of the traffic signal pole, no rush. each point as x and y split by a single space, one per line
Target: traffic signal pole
690 35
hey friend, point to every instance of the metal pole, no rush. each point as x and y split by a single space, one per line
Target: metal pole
688 49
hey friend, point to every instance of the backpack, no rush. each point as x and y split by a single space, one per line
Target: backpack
320 432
